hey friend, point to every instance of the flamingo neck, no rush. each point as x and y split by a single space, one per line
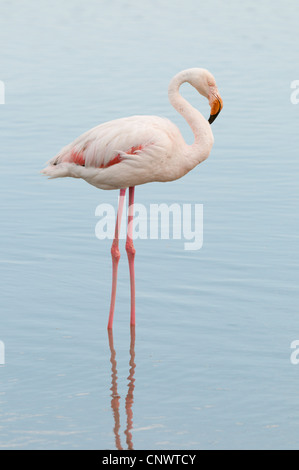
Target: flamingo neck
203 137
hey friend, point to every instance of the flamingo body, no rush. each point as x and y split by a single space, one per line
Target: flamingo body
125 152
136 150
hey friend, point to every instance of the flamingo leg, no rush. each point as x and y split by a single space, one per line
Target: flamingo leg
115 253
131 252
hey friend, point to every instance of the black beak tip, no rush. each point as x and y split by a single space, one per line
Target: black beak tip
213 116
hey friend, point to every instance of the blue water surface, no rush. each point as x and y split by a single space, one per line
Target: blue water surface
210 365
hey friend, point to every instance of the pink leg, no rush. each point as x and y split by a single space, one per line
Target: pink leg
131 252
115 256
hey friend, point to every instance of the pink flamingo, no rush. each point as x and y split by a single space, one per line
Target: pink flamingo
136 150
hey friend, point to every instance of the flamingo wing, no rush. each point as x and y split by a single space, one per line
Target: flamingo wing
139 146
110 143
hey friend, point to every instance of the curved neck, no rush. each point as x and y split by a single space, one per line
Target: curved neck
200 127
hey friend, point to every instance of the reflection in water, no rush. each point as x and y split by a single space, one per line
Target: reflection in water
116 397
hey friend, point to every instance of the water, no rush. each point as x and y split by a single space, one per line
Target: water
210 368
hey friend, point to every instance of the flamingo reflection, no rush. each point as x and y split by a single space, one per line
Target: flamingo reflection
116 397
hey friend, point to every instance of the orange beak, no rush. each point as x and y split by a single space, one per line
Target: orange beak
216 106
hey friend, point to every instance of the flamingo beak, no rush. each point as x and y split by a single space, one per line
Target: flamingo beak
216 106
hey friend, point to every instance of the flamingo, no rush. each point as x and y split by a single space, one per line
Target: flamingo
135 150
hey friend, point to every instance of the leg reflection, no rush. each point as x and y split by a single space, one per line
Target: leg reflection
114 392
130 394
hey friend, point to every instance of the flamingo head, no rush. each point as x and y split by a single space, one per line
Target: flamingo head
213 95
216 103
205 84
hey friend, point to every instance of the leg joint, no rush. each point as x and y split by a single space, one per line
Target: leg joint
115 253
130 249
